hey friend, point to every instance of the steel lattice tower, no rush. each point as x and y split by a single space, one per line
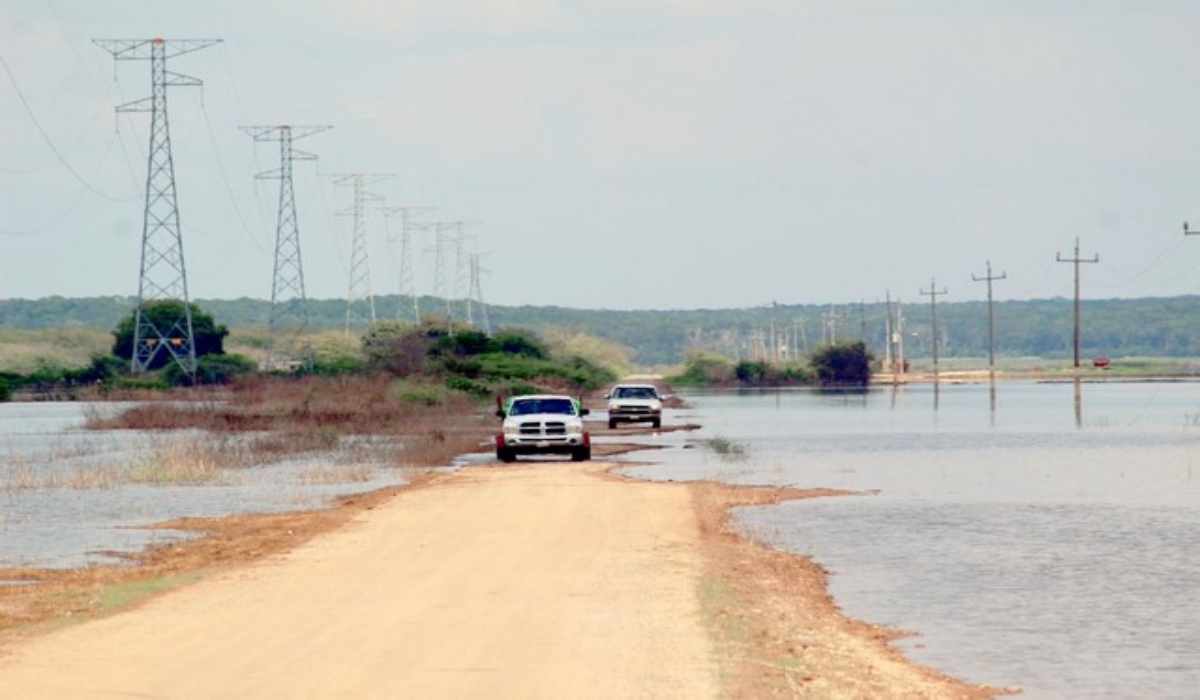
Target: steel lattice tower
289 305
408 277
461 270
475 296
162 275
359 295
442 239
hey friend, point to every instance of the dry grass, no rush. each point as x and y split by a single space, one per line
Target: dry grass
23 350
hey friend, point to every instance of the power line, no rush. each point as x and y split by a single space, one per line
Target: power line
50 142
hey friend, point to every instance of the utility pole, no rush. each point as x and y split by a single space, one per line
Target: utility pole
989 278
829 320
801 338
359 294
889 338
288 301
162 275
1077 260
933 294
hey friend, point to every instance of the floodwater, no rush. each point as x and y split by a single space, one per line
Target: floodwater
58 510
1042 535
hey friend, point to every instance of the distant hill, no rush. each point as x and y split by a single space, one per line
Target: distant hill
1146 327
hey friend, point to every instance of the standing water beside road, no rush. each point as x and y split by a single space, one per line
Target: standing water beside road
71 496
1039 535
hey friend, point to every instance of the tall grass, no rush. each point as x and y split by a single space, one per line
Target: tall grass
23 350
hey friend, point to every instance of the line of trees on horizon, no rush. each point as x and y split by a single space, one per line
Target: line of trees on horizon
1146 327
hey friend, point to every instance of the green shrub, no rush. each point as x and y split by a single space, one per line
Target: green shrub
423 395
702 368
337 364
519 342
211 369
842 364
468 386
5 392
751 372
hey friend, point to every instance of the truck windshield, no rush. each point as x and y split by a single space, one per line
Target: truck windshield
635 392
532 406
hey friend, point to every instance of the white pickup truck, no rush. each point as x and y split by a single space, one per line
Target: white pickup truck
630 403
542 424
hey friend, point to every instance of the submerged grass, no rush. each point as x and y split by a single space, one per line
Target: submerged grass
725 447
354 425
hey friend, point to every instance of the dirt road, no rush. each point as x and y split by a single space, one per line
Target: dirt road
536 580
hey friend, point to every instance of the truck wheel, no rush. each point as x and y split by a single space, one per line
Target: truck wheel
505 455
656 423
581 454
612 424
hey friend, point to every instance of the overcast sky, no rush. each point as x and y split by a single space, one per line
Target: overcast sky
665 154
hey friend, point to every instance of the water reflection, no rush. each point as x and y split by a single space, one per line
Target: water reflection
1078 403
992 397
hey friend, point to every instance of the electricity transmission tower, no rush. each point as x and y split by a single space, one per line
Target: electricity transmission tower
475 296
408 284
441 240
1077 260
989 278
829 321
360 302
288 302
933 294
461 270
162 274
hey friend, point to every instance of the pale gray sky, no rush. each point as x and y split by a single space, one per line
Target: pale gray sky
627 153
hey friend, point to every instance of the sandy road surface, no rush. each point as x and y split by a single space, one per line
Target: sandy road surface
535 580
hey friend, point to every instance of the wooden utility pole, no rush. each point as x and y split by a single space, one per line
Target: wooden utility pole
989 278
933 294
1077 260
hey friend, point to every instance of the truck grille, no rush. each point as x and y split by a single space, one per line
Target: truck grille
538 428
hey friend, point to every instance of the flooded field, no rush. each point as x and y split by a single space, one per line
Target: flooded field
1039 535
70 496
1045 536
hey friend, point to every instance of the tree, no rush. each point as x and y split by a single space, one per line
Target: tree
209 336
842 364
